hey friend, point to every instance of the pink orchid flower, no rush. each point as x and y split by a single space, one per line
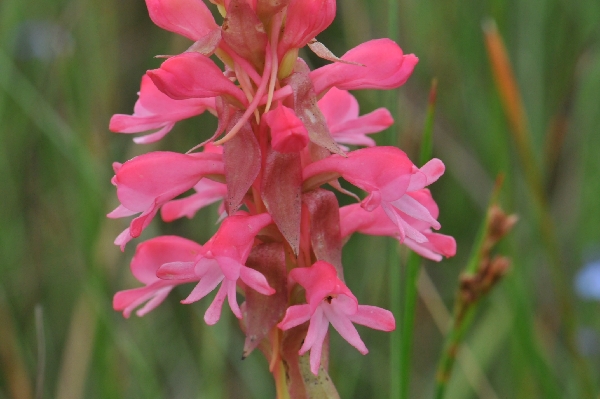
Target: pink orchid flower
354 218
387 175
156 110
149 256
329 300
340 109
221 261
384 66
148 181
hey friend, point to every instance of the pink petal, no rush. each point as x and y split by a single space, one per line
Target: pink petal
422 249
424 197
446 245
207 192
294 316
150 255
176 271
374 317
318 323
404 229
317 348
344 326
128 300
428 174
412 207
138 224
344 304
154 137
158 298
437 245
255 280
305 20
386 67
189 18
232 299
230 267
206 264
123 238
193 75
385 169
161 175
353 132
338 106
213 313
120 212
353 218
207 283
156 110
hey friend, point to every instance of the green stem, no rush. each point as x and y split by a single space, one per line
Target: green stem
463 311
395 280
391 138
413 264
463 319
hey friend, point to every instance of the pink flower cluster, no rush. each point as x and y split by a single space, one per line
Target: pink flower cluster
283 132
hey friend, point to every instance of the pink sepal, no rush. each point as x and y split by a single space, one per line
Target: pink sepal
193 75
189 18
207 192
149 256
385 67
340 109
156 110
305 20
386 170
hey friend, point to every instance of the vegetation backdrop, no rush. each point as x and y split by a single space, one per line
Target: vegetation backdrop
67 65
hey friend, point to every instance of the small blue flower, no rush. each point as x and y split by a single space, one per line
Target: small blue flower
587 281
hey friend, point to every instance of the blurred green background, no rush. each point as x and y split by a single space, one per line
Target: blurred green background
67 65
